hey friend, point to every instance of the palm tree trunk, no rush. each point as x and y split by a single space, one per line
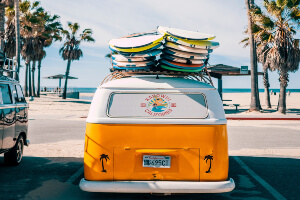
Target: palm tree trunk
267 86
29 80
255 103
39 78
2 25
66 80
32 78
282 94
18 48
26 80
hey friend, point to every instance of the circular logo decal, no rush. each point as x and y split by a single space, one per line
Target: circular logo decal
158 105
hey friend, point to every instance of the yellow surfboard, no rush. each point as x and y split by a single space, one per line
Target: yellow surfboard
198 44
139 49
184 34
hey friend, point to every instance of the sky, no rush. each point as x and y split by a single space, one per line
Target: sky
117 18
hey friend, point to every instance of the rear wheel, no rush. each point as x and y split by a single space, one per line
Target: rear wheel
14 156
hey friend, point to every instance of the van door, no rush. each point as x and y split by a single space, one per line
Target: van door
21 110
8 111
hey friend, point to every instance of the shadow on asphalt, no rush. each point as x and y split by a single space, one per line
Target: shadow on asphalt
17 181
45 178
293 111
234 111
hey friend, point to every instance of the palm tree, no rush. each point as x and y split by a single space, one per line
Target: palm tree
48 33
103 157
18 45
33 75
210 158
28 21
3 4
255 103
40 57
70 50
265 68
267 87
31 21
281 52
261 46
27 53
10 42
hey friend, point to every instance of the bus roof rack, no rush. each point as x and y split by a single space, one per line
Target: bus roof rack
202 76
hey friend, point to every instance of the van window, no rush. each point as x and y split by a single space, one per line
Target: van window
14 93
6 97
160 105
20 96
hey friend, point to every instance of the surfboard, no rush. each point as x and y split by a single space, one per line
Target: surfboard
186 48
131 59
184 34
133 64
136 42
148 53
200 44
181 70
185 54
132 68
181 60
144 48
181 65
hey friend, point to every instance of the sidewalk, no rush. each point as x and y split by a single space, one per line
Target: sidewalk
243 114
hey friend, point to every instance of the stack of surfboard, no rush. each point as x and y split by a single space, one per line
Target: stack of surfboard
135 53
185 51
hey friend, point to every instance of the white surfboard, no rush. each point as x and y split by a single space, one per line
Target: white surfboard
185 54
186 48
131 68
200 44
135 42
131 59
136 50
181 60
154 52
184 34
133 64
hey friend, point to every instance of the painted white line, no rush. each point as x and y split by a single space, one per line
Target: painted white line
75 176
261 181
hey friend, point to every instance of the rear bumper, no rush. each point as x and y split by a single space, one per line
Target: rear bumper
157 186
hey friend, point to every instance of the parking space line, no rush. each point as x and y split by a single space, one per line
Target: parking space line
261 181
75 176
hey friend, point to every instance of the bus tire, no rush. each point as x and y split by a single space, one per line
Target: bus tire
14 156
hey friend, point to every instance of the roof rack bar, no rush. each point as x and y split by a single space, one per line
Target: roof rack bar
202 76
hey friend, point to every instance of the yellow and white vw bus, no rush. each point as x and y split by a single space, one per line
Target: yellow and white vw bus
149 134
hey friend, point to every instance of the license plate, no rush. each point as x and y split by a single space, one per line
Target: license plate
156 161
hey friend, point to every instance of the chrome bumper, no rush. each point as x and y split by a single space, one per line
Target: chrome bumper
167 187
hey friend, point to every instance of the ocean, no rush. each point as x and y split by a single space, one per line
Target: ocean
225 90
246 90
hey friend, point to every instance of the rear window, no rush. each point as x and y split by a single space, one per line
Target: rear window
159 105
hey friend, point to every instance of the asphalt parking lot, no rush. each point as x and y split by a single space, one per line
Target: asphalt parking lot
258 177
49 178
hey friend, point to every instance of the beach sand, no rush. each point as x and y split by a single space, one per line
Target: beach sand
292 102
74 112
